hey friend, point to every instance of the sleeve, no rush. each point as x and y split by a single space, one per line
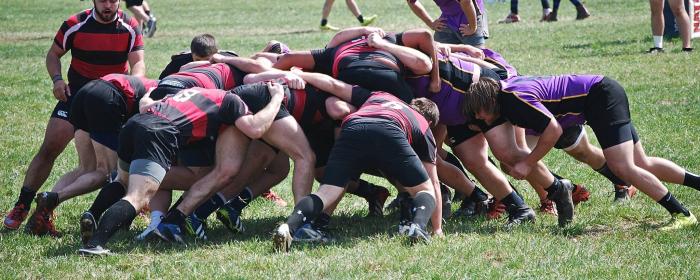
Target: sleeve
138 41
58 39
359 96
323 61
232 108
176 61
524 111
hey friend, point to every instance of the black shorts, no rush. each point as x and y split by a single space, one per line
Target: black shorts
131 3
373 143
149 137
458 134
321 139
199 154
607 112
99 109
62 109
570 137
257 96
378 79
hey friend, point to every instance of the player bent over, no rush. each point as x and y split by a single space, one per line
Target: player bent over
550 104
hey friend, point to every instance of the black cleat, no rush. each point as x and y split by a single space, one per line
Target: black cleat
308 234
88 225
282 238
376 201
563 201
519 216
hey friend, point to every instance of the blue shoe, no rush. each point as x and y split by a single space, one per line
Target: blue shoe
194 226
231 218
308 234
170 233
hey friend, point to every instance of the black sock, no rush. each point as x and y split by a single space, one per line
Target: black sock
553 187
513 202
692 180
361 19
212 204
26 195
364 189
672 205
478 195
108 195
324 22
119 214
322 221
405 206
607 173
175 217
555 175
242 200
423 207
305 211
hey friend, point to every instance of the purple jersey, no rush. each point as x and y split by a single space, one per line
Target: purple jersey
495 58
456 77
452 13
530 101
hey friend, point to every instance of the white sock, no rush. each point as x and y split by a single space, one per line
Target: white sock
546 11
658 41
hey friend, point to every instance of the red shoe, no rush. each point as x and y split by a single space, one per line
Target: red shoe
496 209
41 221
547 207
272 196
624 193
511 18
16 216
580 194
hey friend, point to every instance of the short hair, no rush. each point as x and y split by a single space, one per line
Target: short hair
427 108
203 45
482 95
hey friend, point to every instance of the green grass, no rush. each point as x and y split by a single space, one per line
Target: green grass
605 241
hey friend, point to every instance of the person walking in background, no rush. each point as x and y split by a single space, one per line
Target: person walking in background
548 14
657 24
142 13
461 22
328 5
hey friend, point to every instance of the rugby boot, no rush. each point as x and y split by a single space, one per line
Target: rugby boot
624 193
41 221
282 238
307 233
519 215
582 12
93 251
656 50
416 234
328 27
510 18
88 225
272 196
466 209
151 26
679 221
231 218
496 209
552 17
580 194
369 20
547 207
446 201
196 227
170 233
376 201
561 196
545 14
16 216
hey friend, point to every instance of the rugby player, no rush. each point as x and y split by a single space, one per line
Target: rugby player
461 22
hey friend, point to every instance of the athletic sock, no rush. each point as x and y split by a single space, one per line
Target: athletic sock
364 189
108 195
324 22
242 200
119 214
605 171
305 211
553 187
175 217
691 180
361 19
672 205
26 195
212 204
658 42
405 206
322 221
423 207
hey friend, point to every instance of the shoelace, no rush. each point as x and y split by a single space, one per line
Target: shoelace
18 212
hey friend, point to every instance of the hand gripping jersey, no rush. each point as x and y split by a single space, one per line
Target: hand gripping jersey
132 88
98 49
200 113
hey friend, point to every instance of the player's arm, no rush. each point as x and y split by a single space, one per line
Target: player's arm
467 49
53 66
469 11
418 9
301 59
137 63
194 64
328 84
292 80
243 63
146 101
254 126
352 33
436 218
421 39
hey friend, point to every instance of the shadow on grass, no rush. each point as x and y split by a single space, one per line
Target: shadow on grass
600 48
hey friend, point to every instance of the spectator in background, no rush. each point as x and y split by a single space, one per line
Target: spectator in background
142 13
461 22
328 5
657 24
547 13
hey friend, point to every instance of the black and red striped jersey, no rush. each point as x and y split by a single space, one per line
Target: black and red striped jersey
200 113
353 53
213 76
98 49
307 106
132 89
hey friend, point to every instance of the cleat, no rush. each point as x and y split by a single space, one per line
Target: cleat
93 251
496 208
369 20
328 27
547 207
679 221
404 226
170 233
16 216
150 230
510 18
416 234
582 12
151 27
393 205
282 239
308 234
552 17
687 50
194 226
446 201
624 193
270 195
41 221
376 201
580 194
466 209
545 14
563 201
519 216
231 218
88 226
656 50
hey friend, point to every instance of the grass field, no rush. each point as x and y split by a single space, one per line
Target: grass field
605 240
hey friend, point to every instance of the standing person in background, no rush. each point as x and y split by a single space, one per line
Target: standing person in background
461 22
550 15
142 13
657 24
328 5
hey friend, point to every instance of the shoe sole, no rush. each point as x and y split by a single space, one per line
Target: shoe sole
222 218
88 253
564 204
281 242
87 228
